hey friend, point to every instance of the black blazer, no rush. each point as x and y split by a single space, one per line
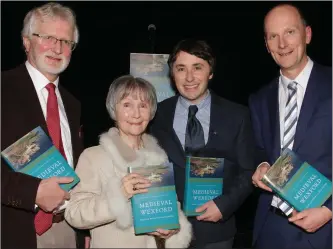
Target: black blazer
230 137
20 113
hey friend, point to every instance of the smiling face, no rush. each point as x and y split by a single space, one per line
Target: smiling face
191 75
52 59
286 39
133 115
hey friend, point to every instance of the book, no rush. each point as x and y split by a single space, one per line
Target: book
158 207
153 68
297 182
34 154
203 182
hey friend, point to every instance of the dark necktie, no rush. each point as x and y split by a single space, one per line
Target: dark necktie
43 220
194 138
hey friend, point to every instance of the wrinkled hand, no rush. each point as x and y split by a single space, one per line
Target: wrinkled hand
50 195
212 212
311 219
164 234
258 174
134 184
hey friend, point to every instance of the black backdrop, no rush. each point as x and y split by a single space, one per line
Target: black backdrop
109 31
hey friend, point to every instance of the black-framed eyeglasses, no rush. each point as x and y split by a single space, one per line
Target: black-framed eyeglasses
51 40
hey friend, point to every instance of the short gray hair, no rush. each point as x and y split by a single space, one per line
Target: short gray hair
125 85
49 11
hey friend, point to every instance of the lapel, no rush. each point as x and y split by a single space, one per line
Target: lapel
218 126
170 139
34 114
70 114
308 106
73 118
274 119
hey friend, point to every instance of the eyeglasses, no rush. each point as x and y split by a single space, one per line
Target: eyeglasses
49 40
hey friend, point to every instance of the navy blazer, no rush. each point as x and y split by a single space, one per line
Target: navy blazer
230 137
313 139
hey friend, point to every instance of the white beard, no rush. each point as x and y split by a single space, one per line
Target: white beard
40 63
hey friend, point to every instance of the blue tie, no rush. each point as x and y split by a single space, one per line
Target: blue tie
194 138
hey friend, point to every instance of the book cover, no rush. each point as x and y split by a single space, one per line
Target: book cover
297 182
34 154
203 182
158 207
153 68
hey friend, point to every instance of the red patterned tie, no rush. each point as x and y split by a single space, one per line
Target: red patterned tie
43 220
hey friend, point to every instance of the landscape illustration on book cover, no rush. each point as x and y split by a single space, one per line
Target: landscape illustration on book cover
26 149
34 154
297 182
203 182
153 68
283 170
201 167
157 208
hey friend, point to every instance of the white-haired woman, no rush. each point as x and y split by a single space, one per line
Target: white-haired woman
100 202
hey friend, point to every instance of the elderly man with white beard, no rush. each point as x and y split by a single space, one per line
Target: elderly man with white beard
31 96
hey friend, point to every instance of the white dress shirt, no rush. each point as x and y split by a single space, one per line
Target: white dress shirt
40 82
302 82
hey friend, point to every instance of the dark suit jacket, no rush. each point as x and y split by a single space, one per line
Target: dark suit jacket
230 137
313 139
20 113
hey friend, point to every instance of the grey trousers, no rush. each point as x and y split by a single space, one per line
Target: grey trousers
60 235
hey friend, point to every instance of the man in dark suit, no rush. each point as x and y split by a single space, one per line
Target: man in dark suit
49 36
294 111
225 131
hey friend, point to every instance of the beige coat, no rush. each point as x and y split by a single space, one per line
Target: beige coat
97 202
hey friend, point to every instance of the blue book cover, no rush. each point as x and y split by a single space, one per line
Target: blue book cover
297 182
203 182
153 68
34 154
158 207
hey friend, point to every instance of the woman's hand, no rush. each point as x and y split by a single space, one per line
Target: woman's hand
164 234
134 184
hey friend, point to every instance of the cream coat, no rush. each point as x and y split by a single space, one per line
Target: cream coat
97 202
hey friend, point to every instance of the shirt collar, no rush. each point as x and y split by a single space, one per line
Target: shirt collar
206 101
39 80
301 79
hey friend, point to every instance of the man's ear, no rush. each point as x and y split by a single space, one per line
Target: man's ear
211 76
26 44
267 45
308 34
